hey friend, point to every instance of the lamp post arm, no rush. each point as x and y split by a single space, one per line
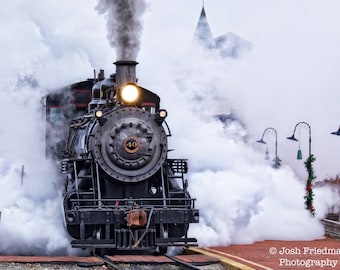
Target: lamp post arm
310 135
275 144
273 129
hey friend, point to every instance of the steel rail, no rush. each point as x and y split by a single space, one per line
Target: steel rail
182 263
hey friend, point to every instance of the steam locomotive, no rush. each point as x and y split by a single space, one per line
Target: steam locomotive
122 192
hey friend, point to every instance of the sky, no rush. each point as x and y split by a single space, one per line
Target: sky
289 75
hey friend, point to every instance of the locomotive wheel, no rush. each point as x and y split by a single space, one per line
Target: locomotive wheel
177 230
165 233
162 250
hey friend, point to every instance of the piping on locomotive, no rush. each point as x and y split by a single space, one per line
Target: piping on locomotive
122 192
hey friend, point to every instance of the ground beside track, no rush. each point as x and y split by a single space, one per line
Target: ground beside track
275 254
39 266
121 262
263 255
20 266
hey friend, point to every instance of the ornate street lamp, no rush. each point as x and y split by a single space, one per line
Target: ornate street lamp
276 160
308 163
299 154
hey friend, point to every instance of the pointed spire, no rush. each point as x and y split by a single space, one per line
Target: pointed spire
203 34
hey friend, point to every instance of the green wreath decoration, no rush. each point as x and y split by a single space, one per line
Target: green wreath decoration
309 185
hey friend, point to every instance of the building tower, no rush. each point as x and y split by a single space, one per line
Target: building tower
203 34
225 45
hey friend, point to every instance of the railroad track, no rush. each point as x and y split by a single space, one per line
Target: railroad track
189 261
184 264
181 264
109 262
158 263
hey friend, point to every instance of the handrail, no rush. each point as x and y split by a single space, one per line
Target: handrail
127 203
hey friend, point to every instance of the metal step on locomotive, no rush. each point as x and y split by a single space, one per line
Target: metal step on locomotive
122 192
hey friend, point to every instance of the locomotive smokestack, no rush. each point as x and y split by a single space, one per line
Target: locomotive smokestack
125 72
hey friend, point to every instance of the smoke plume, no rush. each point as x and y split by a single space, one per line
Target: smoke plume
124 25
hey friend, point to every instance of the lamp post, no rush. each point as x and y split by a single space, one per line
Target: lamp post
308 163
276 161
334 133
310 137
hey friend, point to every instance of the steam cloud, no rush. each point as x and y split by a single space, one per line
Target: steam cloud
241 198
31 221
124 25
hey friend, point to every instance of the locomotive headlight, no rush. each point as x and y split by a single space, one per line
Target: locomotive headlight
100 118
130 93
99 114
163 113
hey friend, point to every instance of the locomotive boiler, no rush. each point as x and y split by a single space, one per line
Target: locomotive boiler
122 191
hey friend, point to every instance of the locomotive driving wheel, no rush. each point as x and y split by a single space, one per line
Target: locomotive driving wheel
164 233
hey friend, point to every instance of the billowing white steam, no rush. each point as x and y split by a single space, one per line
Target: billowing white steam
44 54
282 81
30 204
124 25
38 54
241 197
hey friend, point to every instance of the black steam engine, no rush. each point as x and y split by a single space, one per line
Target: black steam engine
122 192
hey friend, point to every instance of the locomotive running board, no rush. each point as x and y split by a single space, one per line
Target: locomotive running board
93 244
109 244
183 242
